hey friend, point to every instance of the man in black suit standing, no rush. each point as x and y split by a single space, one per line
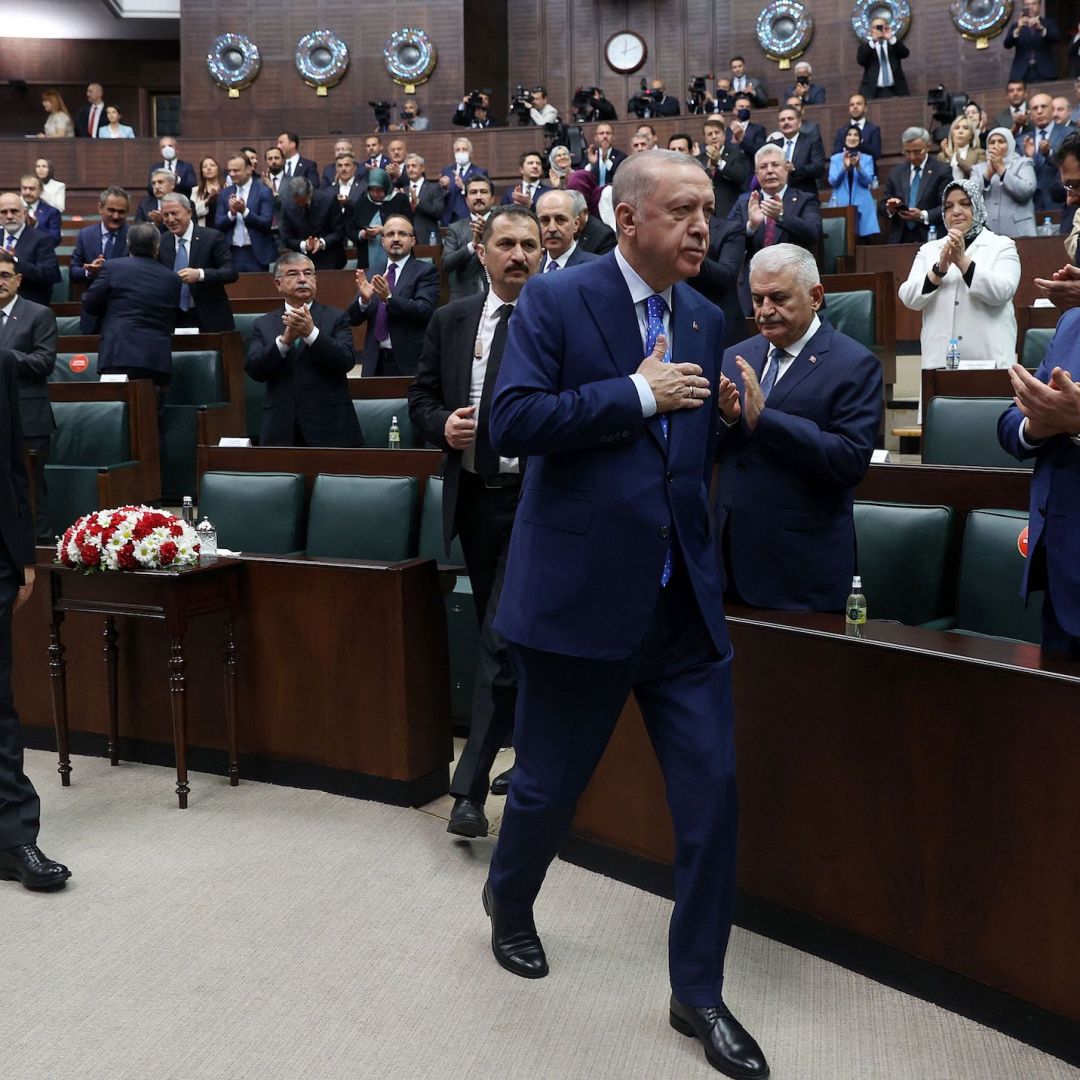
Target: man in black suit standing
868 130
162 183
34 250
603 156
717 280
460 261
203 262
745 84
329 175
28 330
531 185
183 172
590 232
374 156
913 191
803 153
449 402
20 858
311 223
745 134
92 114
881 59
304 354
104 239
397 305
558 224
1033 36
137 300
295 165
426 200
728 167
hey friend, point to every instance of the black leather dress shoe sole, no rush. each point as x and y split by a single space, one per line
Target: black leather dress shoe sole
517 948
735 1054
32 869
467 819
501 784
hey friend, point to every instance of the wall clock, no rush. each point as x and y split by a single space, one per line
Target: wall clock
625 51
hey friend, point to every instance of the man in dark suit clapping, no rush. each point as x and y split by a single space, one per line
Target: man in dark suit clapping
304 354
245 214
450 402
427 200
312 223
202 261
460 261
183 172
34 250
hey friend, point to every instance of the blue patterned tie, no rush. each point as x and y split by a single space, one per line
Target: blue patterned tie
107 248
768 379
654 309
180 263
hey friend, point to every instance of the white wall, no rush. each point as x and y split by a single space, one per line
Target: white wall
87 19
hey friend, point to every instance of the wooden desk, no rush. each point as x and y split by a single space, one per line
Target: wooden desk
169 596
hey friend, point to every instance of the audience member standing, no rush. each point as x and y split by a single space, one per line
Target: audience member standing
851 177
1014 115
103 240
55 191
92 115
460 262
728 167
1039 142
603 155
1008 180
245 214
804 156
311 223
113 129
745 84
295 165
1033 36
183 171
39 213
205 196
34 250
913 191
427 200
454 180
960 150
869 132
881 59
58 123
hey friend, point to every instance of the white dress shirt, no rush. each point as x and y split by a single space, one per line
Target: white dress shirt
793 350
240 236
309 340
562 259
489 320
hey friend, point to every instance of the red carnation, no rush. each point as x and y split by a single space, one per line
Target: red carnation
176 530
125 557
141 530
90 555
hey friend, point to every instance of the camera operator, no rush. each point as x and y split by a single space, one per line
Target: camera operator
652 101
698 99
474 111
591 107
541 111
411 120
806 91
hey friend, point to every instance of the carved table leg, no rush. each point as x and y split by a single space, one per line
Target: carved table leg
58 682
232 683
178 704
109 638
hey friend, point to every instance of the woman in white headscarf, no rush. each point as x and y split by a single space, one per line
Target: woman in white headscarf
1008 180
964 285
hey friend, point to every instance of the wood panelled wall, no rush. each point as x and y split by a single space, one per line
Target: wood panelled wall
279 99
561 43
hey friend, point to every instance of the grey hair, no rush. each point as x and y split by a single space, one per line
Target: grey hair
164 172
804 64
768 148
177 197
113 192
632 182
577 202
296 186
144 239
287 258
416 157
791 258
462 139
913 133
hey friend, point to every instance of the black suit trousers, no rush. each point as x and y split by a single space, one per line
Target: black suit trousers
38 446
484 518
19 804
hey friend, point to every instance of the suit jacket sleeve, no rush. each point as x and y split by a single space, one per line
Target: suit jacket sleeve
263 358
96 297
260 211
23 530
866 54
841 453
41 358
333 348
456 253
427 397
327 221
814 166
49 224
292 224
804 228
221 270
44 270
530 413
720 269
79 259
735 167
422 303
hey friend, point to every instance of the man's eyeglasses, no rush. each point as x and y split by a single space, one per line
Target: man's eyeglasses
8 275
1072 185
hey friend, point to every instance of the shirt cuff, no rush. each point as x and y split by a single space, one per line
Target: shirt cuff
202 274
645 394
281 346
310 339
1025 442
925 218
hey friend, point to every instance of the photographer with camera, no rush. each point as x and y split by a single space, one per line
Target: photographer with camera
541 111
589 106
1033 36
698 99
880 58
652 100
806 91
411 120
474 111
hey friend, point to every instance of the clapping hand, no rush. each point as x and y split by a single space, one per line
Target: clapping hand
754 211
1051 408
753 401
364 287
1063 288
298 324
381 287
727 400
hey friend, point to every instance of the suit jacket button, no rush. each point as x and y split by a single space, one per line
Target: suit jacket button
665 532
670 478
626 434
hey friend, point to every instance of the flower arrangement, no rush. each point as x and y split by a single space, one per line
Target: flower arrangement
129 538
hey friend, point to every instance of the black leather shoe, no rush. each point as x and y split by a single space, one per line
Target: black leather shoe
729 1047
514 940
501 784
467 819
27 864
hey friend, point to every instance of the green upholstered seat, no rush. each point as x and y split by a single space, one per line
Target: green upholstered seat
462 628
363 517
375 416
197 378
1036 342
255 512
245 320
63 373
197 381
991 568
963 431
254 399
903 559
68 325
89 436
833 242
853 313
62 289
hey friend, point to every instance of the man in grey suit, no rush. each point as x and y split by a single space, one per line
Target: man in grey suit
460 261
558 223
28 330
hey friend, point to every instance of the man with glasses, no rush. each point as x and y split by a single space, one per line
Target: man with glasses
304 353
881 60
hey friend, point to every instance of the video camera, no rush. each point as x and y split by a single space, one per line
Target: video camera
382 113
645 100
697 95
520 103
945 108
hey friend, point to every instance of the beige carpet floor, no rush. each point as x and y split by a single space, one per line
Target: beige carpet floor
276 934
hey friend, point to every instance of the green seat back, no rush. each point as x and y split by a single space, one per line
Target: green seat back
245 320
833 242
431 527
853 313
90 433
197 378
1036 342
254 398
903 555
62 289
63 373
255 512
375 416
963 431
68 325
991 568
64 249
363 517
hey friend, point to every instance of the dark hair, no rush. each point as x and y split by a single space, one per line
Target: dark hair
49 175
736 57
529 154
296 187
509 210
744 97
9 257
144 240
401 217
249 150
1070 147
293 138
287 258
485 179
681 135
114 192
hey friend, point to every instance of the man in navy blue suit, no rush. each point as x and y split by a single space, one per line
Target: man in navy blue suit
613 580
868 130
1044 423
558 224
1034 36
454 179
531 186
34 250
105 239
40 214
1040 141
795 446
295 165
183 171
245 214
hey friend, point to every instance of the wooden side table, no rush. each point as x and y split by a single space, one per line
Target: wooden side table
171 596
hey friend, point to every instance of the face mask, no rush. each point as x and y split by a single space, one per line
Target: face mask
461 157
743 115
168 153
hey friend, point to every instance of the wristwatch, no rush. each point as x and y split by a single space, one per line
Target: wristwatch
1075 439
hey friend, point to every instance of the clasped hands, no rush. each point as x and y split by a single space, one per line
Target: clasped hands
758 209
1063 288
1051 408
952 252
297 325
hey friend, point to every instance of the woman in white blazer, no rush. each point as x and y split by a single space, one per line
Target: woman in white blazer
964 285
53 191
1008 180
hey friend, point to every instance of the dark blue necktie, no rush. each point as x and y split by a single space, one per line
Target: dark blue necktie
655 306
768 378
107 247
180 263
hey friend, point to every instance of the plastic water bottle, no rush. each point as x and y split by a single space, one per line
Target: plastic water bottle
395 434
855 610
931 236
207 540
433 239
187 511
952 355
1047 227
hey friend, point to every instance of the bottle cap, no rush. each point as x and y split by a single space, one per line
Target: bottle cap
856 583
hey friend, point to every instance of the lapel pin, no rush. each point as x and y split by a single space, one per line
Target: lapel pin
813 359
695 326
